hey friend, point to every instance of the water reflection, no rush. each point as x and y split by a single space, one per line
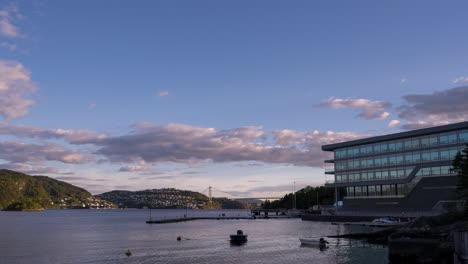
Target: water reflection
87 236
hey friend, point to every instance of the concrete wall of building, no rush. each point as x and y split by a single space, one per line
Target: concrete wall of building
425 195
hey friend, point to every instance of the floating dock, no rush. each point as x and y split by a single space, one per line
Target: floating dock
370 224
185 219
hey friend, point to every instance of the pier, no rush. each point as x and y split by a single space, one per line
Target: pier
185 219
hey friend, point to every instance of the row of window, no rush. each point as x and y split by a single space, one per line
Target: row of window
391 174
374 175
403 158
409 143
395 189
377 190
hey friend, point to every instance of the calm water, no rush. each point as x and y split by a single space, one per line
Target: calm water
103 236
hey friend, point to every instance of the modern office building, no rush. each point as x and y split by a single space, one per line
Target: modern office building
403 173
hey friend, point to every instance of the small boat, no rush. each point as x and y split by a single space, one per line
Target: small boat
314 242
386 220
239 237
128 253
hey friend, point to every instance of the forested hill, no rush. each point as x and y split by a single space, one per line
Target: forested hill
21 191
169 198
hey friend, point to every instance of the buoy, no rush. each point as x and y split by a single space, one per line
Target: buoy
179 238
128 253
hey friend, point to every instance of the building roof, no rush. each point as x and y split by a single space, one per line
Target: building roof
406 134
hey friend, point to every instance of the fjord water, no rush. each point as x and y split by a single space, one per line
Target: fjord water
103 236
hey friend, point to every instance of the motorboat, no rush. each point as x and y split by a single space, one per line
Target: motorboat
314 242
239 237
386 220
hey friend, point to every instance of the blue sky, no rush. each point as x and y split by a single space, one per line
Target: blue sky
218 93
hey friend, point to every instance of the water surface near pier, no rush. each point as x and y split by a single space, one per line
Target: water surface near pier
103 236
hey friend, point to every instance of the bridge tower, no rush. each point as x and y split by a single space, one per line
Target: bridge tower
209 194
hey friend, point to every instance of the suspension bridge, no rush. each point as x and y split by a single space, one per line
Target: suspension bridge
217 193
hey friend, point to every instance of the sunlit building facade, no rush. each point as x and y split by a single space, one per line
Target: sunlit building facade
403 172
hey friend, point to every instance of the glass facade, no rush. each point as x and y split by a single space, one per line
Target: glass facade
396 159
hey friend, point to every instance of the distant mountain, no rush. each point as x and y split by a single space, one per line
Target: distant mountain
168 198
19 191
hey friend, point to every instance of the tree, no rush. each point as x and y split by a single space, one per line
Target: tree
460 167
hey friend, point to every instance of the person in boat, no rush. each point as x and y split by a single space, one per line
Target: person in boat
323 242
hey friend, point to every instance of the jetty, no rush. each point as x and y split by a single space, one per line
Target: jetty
185 219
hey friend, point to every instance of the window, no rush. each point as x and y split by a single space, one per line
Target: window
398 145
407 144
388 190
363 176
426 171
384 147
384 174
350 191
408 158
378 175
377 161
377 148
392 160
371 190
384 160
362 150
435 155
435 171
425 142
393 174
443 139
399 159
401 173
401 189
444 154
426 156
416 157
452 138
415 143
463 135
433 140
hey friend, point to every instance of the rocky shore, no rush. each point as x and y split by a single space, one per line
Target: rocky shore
423 240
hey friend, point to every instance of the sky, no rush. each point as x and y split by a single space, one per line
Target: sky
238 95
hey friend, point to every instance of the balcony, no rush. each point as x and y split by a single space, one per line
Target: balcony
330 171
329 161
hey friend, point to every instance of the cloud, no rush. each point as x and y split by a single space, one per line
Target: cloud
133 168
394 123
92 105
163 93
403 81
24 168
8 46
15 86
19 152
438 108
190 145
460 80
71 136
8 15
369 109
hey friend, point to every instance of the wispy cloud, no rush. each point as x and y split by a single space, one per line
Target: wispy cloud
394 123
8 46
71 136
460 80
369 109
20 152
163 93
8 15
15 87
